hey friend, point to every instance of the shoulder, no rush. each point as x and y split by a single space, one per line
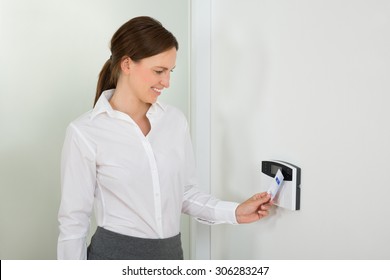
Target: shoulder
176 117
82 119
170 117
173 112
78 135
81 122
85 119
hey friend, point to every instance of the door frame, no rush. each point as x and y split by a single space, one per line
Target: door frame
200 114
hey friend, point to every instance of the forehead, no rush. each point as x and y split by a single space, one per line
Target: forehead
165 59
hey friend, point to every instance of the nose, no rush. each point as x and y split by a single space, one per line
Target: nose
165 80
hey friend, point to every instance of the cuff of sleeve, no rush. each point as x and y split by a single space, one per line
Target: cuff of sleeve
73 249
226 211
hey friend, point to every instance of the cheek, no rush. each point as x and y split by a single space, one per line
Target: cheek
147 79
139 84
140 77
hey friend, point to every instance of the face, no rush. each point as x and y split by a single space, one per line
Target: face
148 77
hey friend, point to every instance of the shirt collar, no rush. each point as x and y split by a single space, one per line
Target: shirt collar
103 105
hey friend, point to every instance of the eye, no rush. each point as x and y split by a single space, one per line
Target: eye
159 72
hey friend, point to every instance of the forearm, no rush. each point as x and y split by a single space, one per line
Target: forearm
208 209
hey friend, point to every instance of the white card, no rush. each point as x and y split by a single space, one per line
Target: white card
277 181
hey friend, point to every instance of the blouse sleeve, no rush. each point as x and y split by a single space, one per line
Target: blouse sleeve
203 206
78 179
208 209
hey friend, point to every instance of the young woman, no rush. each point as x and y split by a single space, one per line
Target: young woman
131 158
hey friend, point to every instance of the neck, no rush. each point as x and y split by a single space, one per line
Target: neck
126 103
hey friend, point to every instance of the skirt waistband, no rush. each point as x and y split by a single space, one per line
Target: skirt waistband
109 245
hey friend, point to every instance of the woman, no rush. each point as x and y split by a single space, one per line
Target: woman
131 158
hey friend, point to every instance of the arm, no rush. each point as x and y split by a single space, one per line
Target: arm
208 209
78 178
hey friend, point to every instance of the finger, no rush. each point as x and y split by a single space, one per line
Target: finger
265 207
264 194
259 196
263 197
269 203
262 214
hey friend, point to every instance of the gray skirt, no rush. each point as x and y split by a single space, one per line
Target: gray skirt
108 245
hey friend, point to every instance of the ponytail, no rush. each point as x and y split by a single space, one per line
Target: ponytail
105 80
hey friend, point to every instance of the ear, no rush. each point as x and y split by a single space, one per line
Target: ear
126 64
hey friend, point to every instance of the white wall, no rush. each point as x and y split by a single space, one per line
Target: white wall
50 55
306 82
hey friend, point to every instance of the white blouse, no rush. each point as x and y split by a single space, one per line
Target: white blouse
138 185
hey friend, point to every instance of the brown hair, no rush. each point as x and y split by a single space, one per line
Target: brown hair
139 38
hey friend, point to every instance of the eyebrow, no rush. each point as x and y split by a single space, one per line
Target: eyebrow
165 68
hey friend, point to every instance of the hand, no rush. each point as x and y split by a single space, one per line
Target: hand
254 209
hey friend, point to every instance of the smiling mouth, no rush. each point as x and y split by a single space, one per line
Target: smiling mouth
157 90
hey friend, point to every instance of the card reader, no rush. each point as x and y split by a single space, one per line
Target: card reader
288 193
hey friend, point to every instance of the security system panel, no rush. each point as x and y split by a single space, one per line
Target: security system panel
284 181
